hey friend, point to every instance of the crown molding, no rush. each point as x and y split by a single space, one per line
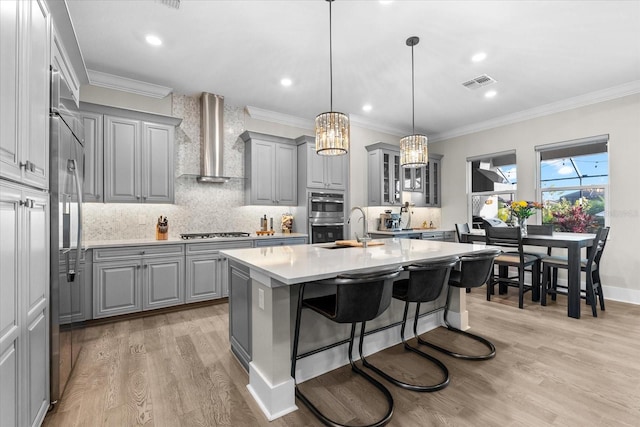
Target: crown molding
110 81
615 92
280 118
288 120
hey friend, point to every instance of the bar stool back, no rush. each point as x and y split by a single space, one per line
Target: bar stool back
359 297
425 284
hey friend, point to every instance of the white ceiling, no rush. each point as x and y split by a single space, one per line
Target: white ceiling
540 53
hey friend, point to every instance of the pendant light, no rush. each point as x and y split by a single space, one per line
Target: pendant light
413 148
332 128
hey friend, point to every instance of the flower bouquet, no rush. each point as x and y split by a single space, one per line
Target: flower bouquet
521 210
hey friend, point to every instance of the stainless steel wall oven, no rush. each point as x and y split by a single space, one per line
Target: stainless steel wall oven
326 217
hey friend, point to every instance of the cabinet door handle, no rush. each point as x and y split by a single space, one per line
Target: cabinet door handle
27 203
142 252
29 166
138 267
146 265
138 196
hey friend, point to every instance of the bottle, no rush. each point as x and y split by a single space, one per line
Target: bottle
264 223
271 223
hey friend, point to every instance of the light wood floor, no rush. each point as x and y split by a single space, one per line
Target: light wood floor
176 369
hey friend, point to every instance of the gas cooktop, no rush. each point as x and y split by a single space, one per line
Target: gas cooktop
190 236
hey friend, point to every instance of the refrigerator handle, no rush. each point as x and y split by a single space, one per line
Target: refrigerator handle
72 165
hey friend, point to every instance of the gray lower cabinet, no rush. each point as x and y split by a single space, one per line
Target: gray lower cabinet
443 236
132 279
287 241
205 272
24 305
240 312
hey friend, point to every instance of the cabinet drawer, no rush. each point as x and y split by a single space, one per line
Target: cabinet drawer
439 235
214 247
281 242
132 252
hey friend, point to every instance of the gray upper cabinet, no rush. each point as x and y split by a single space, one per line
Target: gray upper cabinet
383 175
271 170
24 92
122 160
93 155
413 179
321 172
432 185
129 155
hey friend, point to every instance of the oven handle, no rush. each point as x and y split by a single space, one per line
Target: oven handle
327 224
323 200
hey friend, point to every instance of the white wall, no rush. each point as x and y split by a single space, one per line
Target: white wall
620 119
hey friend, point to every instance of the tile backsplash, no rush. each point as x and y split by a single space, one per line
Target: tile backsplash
198 207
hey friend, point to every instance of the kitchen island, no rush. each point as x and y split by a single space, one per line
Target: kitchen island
262 306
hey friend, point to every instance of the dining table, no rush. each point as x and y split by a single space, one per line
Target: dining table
572 242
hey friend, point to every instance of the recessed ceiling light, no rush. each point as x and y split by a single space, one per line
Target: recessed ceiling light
478 57
367 107
286 82
490 94
153 40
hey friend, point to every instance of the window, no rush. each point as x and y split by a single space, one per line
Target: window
573 183
494 180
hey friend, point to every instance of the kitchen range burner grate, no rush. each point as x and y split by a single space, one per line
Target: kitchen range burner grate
190 236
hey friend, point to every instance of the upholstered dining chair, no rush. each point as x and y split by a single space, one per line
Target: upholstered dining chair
511 238
590 266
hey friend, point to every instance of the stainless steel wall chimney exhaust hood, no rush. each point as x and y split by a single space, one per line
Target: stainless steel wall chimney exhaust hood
212 148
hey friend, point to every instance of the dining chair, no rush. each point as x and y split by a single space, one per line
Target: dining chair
352 298
476 270
511 237
462 229
590 266
425 284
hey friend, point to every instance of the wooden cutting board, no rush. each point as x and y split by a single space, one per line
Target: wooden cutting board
355 243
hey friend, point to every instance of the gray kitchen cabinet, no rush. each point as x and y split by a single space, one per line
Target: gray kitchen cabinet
287 241
122 160
270 170
24 305
93 157
129 155
432 183
413 179
320 172
240 312
24 92
205 273
383 175
131 279
442 236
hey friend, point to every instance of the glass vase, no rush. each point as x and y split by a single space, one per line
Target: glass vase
522 223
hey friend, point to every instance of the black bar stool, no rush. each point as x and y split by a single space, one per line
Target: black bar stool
425 284
358 298
475 271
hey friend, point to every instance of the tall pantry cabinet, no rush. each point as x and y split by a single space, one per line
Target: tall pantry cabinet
25 29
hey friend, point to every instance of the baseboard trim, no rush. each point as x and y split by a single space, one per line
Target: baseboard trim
276 400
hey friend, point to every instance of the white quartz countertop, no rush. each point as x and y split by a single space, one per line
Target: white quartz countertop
145 242
289 265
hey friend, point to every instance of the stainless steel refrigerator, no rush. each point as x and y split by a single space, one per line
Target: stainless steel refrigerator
66 178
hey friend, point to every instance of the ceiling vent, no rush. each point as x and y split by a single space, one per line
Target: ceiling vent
478 82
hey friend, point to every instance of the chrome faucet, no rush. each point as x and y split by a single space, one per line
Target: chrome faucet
365 227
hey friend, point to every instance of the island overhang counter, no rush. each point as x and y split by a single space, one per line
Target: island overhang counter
263 295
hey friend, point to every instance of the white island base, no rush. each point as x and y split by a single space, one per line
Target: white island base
263 298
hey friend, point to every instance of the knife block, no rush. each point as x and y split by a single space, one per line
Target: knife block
162 232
